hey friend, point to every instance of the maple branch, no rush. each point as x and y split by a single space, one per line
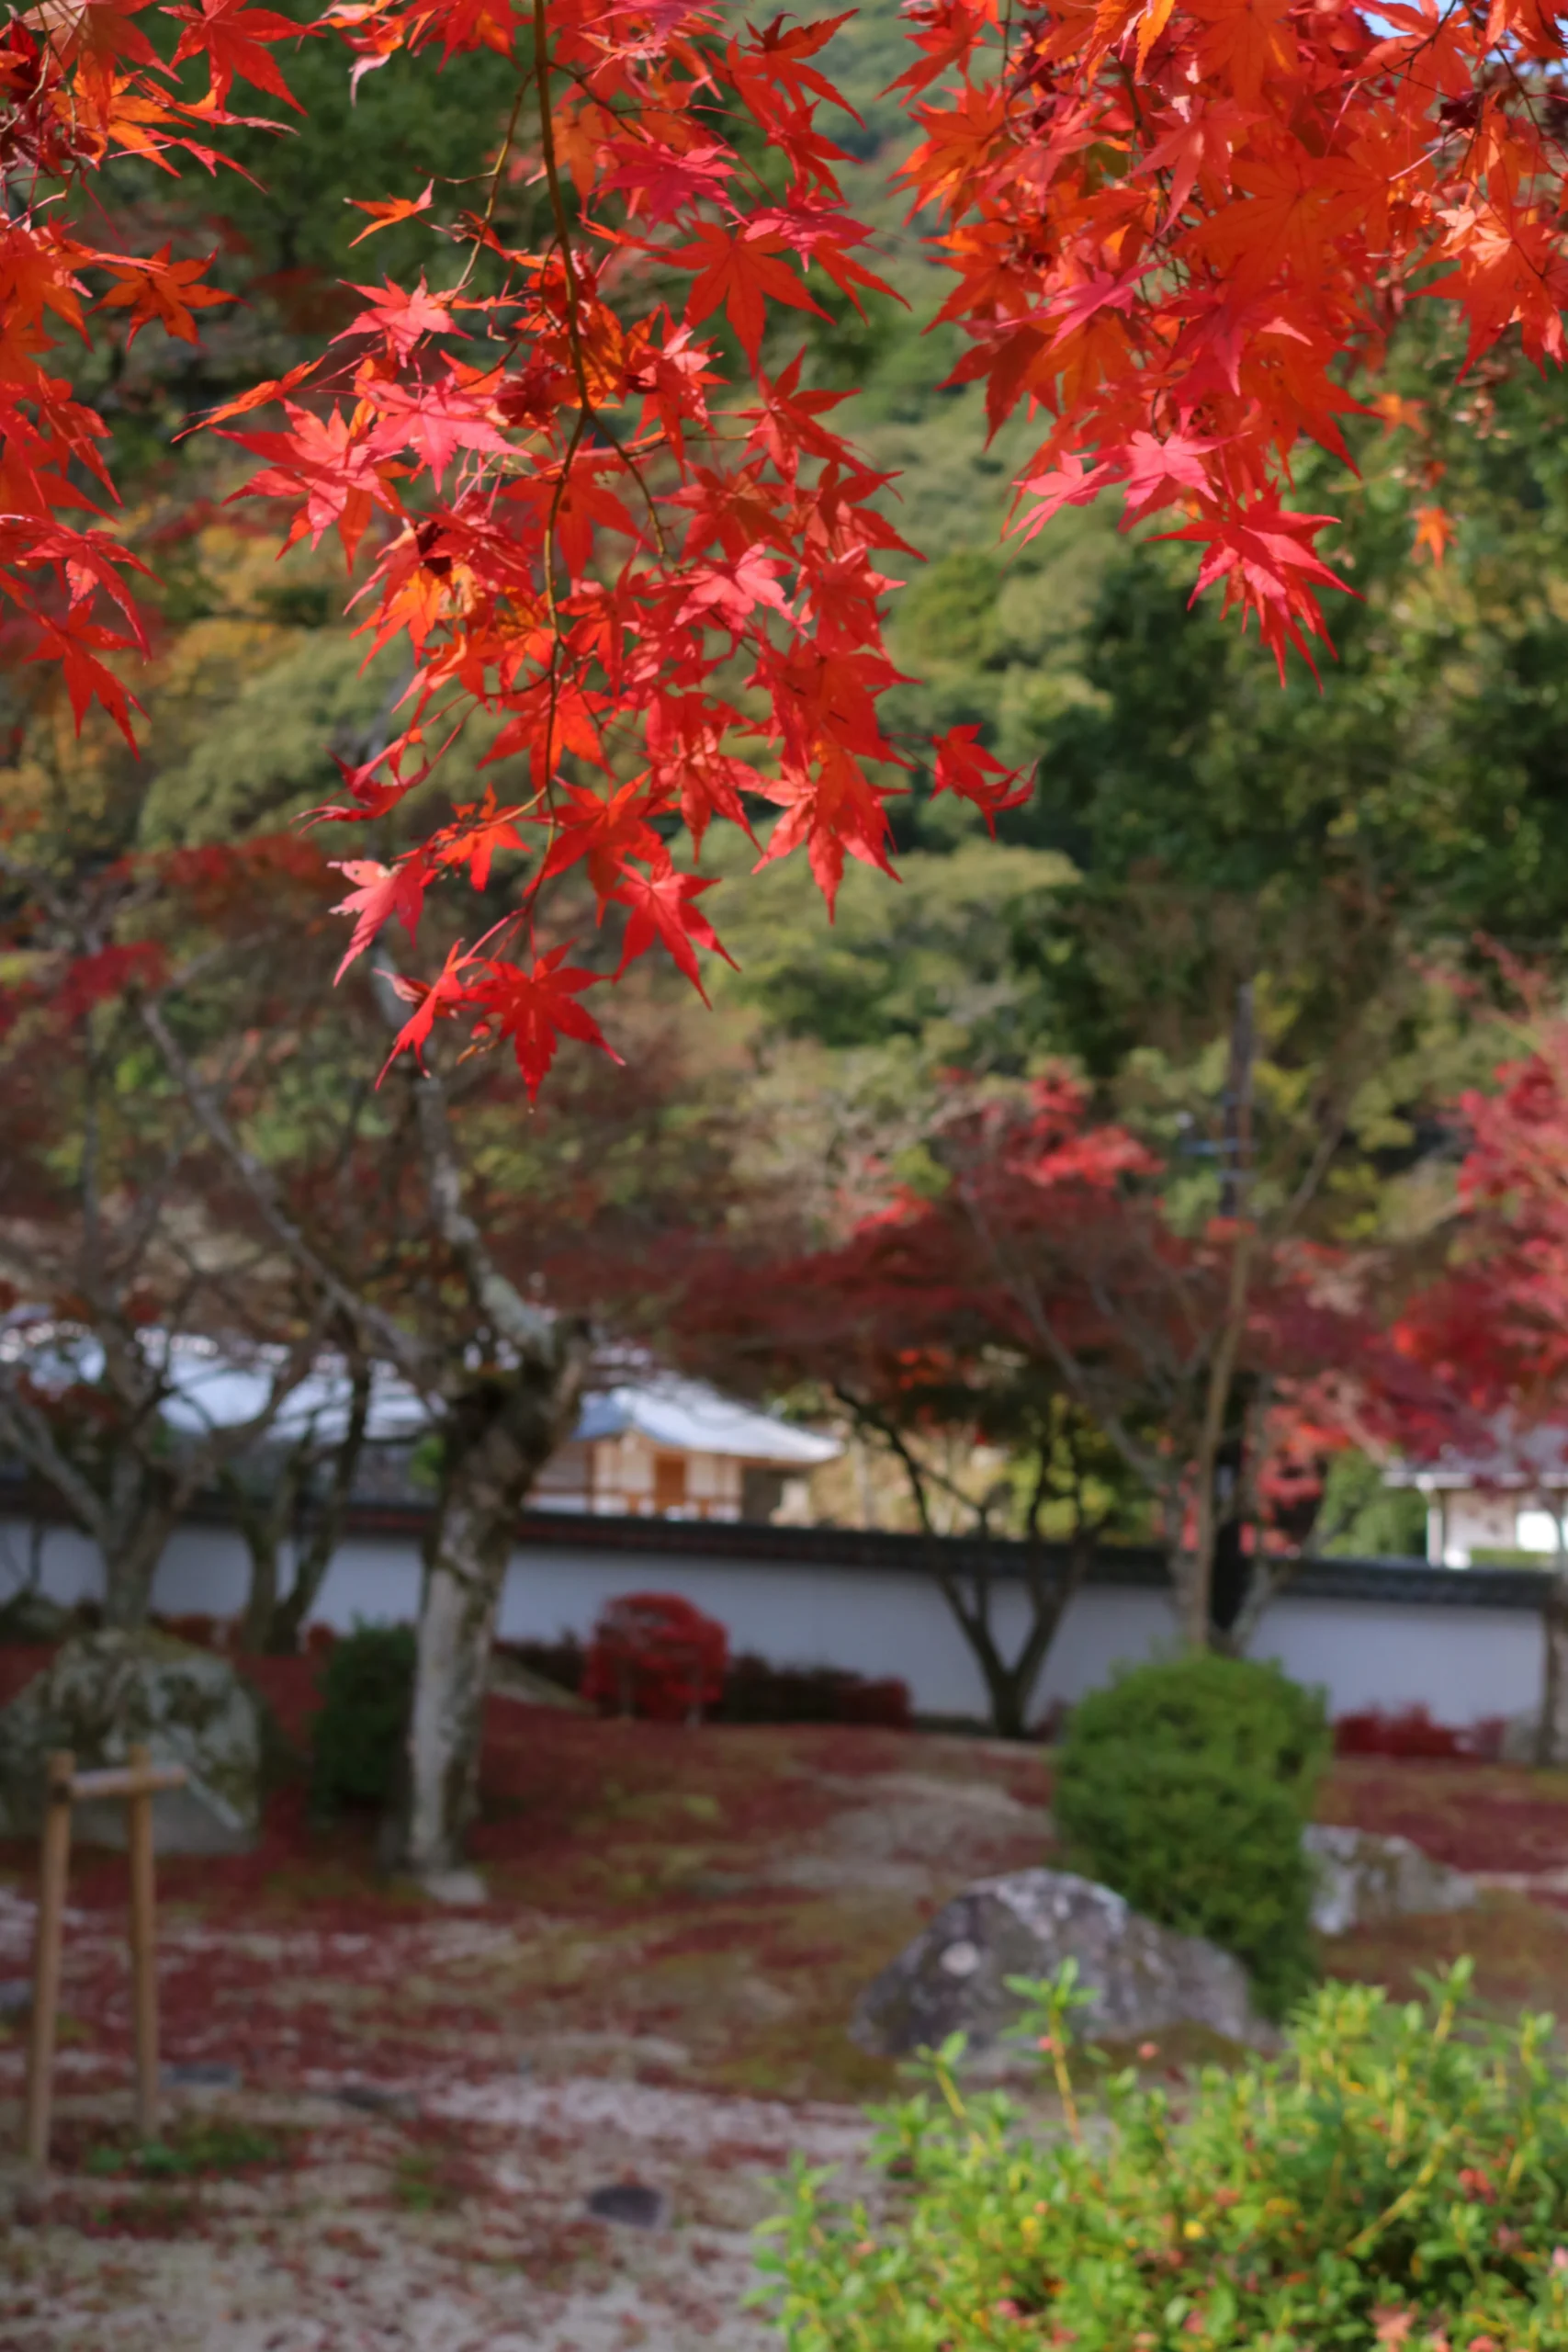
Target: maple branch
265 1194
30 1431
532 1330
494 178
1145 1467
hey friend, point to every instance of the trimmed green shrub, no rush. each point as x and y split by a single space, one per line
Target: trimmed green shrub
357 1737
1185 1786
1396 2181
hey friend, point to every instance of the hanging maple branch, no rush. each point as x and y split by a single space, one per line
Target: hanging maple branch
568 490
1181 230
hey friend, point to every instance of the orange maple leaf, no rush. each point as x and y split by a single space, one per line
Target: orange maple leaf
162 289
1434 532
399 207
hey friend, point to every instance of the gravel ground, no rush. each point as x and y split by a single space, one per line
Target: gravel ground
440 2222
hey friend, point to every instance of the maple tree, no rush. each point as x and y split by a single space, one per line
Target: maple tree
1044 1289
199 1169
904 1333
575 499
125 1245
1491 1327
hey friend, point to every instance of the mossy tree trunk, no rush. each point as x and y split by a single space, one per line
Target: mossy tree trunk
499 1434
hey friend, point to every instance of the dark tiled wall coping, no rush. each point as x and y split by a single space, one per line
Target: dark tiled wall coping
822 1550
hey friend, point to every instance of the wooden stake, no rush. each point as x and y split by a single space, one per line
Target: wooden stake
53 1862
144 1937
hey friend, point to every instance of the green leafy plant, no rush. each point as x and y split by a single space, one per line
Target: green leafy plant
357 1739
1185 1785
216 2144
1397 2177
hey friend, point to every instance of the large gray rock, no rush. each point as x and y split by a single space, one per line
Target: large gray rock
1143 1978
103 1694
1361 1877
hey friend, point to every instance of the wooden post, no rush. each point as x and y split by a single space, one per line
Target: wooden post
137 1785
53 1862
144 1938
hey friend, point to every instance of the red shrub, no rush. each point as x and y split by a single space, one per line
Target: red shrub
1412 1733
654 1655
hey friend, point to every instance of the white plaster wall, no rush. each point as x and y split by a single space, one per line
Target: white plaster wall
1461 1663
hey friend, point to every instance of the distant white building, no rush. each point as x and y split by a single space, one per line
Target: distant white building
653 1445
675 1449
1506 1503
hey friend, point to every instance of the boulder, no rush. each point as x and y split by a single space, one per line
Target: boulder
509 1679
1143 1978
1360 1876
103 1694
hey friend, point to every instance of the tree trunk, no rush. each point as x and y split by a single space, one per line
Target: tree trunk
1192 1567
263 1541
131 1554
143 1505
264 1523
1011 1682
499 1434
284 1623
1551 1732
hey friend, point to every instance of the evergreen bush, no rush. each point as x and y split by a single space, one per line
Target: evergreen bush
1396 2181
1185 1785
357 1737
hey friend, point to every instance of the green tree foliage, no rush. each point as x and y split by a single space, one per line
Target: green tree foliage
356 1736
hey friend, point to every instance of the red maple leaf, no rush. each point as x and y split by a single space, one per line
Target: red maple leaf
965 767
662 907
743 273
473 838
446 994
531 1009
604 829
400 317
233 38
382 894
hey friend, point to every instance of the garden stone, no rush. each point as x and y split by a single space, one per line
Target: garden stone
629 2203
374 2098
1361 1877
1142 1978
105 1693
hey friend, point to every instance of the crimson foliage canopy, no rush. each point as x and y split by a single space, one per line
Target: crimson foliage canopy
567 490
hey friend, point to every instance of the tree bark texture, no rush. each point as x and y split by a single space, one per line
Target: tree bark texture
1011 1682
1551 1732
499 1433
274 1620
132 1548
